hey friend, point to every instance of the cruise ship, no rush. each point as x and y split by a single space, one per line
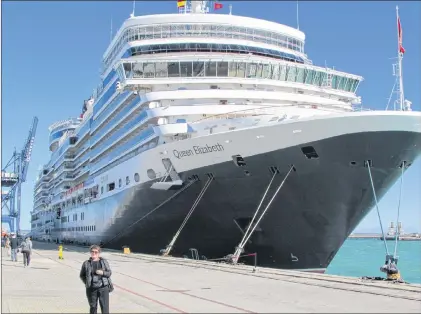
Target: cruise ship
216 134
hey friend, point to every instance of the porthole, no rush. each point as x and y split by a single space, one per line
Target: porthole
127 180
136 177
151 174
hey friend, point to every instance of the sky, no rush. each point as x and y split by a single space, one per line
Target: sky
52 51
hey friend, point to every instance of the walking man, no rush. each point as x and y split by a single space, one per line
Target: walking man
96 275
14 247
7 246
26 248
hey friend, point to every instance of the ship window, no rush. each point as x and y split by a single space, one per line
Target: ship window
210 68
300 75
233 69
127 180
186 69
241 69
282 72
136 177
309 77
222 69
266 73
161 69
137 70
259 70
111 186
309 152
119 183
317 78
102 190
151 174
198 68
291 74
173 69
149 70
274 75
128 70
251 70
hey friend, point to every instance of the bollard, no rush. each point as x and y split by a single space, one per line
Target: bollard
396 276
60 252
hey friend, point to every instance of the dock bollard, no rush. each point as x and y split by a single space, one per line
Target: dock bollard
126 250
60 252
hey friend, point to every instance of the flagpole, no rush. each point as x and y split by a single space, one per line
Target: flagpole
400 55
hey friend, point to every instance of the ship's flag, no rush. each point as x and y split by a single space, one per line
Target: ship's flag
401 48
181 3
217 6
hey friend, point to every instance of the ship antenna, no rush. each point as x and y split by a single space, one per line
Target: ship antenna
397 72
134 7
230 9
401 51
298 21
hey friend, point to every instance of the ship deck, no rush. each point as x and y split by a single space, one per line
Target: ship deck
146 283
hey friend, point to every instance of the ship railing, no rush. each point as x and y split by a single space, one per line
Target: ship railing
110 109
306 74
264 110
201 31
63 123
117 118
119 135
136 144
361 108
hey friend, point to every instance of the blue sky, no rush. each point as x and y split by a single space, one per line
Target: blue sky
51 54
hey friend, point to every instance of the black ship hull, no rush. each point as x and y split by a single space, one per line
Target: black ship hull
317 208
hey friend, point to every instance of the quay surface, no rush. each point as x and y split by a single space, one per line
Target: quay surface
154 284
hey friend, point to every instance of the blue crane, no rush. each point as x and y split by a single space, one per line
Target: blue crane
12 177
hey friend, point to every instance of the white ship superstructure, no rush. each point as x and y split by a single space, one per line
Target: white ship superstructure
190 96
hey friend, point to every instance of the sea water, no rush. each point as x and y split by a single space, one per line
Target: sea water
364 257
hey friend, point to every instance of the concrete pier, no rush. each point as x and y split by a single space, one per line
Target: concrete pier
152 284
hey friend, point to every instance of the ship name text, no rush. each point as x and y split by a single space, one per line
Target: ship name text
198 150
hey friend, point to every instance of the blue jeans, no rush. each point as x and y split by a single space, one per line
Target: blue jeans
14 255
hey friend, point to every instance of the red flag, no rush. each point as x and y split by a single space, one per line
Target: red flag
401 49
217 6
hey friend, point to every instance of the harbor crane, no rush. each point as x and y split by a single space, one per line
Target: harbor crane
13 174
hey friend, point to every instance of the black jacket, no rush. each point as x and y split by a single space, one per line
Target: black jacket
86 273
14 243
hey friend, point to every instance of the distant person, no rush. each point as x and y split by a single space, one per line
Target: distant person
7 246
26 248
96 275
14 247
